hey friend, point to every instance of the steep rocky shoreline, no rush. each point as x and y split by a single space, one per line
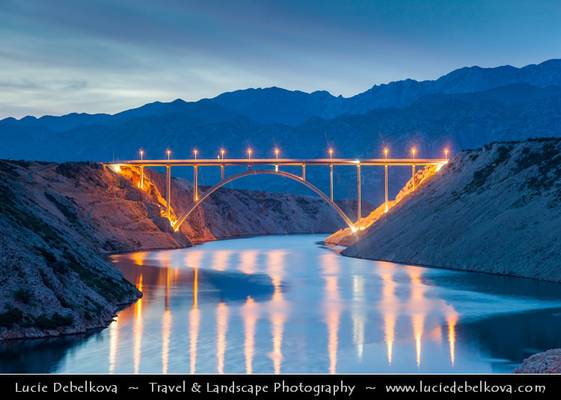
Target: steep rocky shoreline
57 221
495 210
547 362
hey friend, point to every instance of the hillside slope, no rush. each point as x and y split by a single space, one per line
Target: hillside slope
496 210
51 282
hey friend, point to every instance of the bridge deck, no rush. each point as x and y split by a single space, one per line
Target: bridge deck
284 161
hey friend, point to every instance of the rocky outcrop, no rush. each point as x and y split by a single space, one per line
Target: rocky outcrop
56 221
495 209
51 281
548 362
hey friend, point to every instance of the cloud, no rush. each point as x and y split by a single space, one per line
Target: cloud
104 56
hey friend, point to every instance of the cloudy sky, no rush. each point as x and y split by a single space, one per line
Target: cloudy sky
60 56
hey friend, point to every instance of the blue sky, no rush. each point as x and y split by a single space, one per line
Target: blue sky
60 56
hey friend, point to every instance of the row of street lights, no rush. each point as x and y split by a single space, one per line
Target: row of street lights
249 151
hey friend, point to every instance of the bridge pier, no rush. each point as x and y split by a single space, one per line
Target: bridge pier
196 183
413 175
358 193
303 172
142 177
331 181
222 172
386 184
168 191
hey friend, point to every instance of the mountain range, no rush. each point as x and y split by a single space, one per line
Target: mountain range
465 108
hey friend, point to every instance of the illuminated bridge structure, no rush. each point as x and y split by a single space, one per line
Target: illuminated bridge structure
273 166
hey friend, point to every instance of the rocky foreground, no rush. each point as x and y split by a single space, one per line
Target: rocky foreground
58 220
495 210
548 362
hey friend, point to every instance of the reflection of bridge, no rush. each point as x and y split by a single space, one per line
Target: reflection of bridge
254 167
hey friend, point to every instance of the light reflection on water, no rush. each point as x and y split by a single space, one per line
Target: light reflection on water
285 304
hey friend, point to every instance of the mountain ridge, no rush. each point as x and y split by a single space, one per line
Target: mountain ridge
300 106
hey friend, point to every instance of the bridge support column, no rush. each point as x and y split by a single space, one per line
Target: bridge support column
331 181
196 183
413 176
386 184
168 191
222 172
142 177
303 172
359 194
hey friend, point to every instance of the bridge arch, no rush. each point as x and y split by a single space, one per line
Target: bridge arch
253 172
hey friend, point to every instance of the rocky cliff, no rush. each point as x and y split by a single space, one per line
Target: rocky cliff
547 362
52 282
57 220
495 209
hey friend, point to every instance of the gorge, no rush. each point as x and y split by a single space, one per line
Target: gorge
91 210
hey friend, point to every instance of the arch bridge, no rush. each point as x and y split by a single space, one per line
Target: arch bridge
272 166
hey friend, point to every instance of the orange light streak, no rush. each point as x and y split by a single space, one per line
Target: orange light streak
278 305
250 315
452 320
248 261
332 306
194 323
221 330
138 327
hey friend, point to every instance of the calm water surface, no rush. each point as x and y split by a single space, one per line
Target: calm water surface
285 304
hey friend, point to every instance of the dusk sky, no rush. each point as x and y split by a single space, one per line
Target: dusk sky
60 56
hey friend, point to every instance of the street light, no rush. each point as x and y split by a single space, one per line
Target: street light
446 152
222 152
386 152
249 153
168 152
413 151
195 153
141 152
330 152
277 152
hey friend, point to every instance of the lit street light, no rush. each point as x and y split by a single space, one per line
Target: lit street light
386 152
141 152
413 151
249 153
446 152
168 152
195 153
222 152
330 153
